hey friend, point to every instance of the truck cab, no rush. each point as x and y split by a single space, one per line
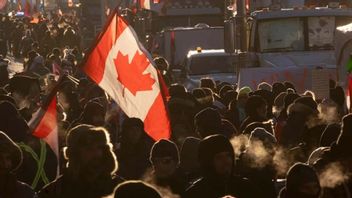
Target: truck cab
299 38
287 43
215 64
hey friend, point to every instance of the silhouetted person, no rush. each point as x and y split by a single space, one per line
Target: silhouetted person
165 160
91 166
301 181
256 111
134 150
216 157
10 159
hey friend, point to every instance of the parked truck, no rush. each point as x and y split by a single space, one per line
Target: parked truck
289 43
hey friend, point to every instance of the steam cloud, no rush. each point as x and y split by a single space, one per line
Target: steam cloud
333 175
260 156
165 192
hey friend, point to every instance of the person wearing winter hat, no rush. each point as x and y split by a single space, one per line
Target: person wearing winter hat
164 157
278 87
299 113
256 111
262 135
26 92
264 86
12 123
279 104
207 122
217 160
93 114
10 160
330 135
301 181
177 90
136 189
290 85
256 163
208 83
91 165
242 98
314 126
134 150
269 99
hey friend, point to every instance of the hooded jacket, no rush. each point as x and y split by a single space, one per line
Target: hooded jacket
212 185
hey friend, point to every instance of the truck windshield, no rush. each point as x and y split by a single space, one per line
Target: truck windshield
211 65
291 34
281 35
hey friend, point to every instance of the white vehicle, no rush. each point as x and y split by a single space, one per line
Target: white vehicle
174 43
215 64
287 44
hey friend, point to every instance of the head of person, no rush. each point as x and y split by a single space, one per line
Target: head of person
164 157
132 131
12 123
243 95
345 136
93 114
308 104
256 106
89 153
136 189
177 91
208 83
264 86
266 139
161 63
302 181
10 155
26 91
290 85
56 52
277 88
207 122
216 157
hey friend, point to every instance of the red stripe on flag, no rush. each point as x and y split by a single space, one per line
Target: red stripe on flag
48 123
94 66
157 124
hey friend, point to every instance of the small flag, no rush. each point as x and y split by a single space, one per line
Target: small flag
27 8
120 65
44 124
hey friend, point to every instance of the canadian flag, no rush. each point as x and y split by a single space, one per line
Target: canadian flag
123 68
44 124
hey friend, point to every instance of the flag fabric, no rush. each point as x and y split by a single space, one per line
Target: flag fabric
27 8
44 124
350 91
2 4
120 65
19 5
145 4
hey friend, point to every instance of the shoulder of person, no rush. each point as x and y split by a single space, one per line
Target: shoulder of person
52 189
25 190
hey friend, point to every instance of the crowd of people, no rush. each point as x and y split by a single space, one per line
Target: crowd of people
226 141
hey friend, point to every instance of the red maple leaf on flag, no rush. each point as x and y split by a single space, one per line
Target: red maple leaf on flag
131 74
